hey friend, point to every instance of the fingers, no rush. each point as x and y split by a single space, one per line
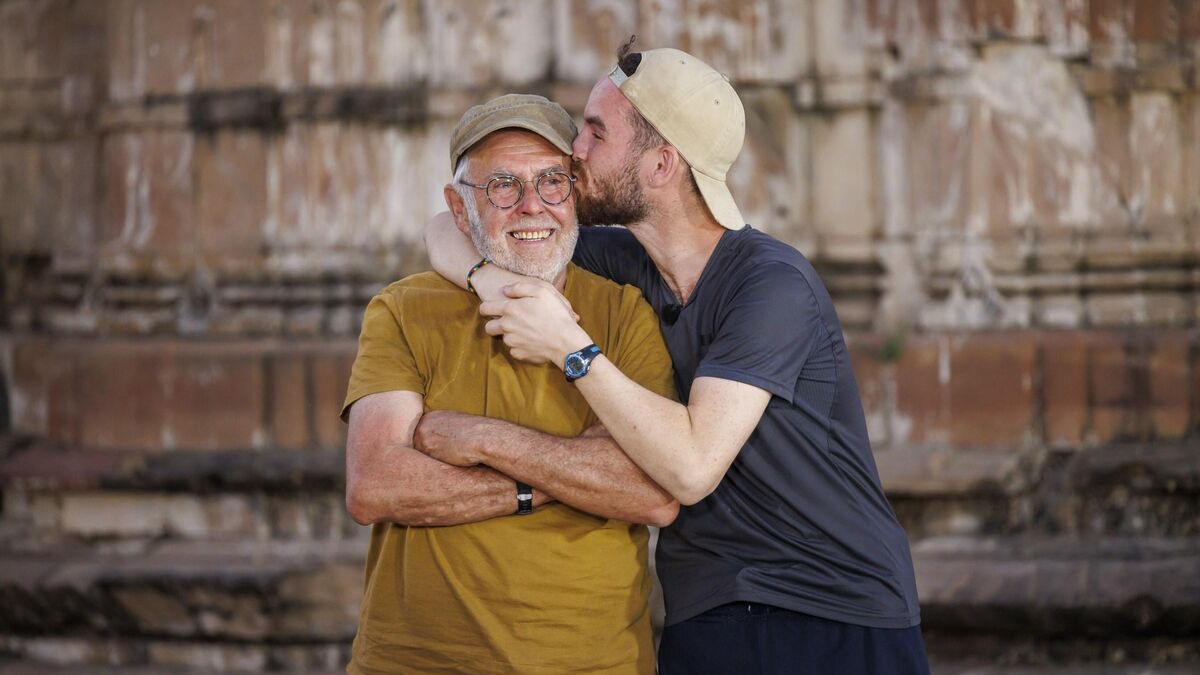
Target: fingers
523 289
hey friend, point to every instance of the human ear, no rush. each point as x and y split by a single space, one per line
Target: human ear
458 209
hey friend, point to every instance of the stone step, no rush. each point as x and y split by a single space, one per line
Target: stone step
1095 587
52 494
224 591
101 656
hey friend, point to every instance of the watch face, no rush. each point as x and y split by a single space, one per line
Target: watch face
575 364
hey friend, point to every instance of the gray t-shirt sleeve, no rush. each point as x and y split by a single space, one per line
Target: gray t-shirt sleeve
767 331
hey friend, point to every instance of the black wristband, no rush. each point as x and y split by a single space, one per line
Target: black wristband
524 499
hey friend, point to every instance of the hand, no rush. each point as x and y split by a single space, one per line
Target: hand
536 322
447 436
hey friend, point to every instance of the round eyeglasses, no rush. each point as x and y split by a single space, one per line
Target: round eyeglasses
505 192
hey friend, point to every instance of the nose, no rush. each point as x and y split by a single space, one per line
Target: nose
531 203
579 148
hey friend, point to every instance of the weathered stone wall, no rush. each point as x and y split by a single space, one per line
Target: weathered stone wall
198 197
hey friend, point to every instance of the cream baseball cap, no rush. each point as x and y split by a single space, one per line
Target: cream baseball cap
696 110
521 111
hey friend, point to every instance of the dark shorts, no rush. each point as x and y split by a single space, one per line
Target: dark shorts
750 639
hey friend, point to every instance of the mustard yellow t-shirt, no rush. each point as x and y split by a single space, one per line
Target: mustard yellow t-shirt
554 592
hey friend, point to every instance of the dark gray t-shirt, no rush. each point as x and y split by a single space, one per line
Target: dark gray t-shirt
800 520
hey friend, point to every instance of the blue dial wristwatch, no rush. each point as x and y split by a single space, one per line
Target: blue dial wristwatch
576 364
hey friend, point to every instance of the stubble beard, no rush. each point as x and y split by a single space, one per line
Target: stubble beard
503 256
616 199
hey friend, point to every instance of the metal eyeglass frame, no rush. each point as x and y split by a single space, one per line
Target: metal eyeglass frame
486 187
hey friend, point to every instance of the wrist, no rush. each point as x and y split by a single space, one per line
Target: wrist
576 339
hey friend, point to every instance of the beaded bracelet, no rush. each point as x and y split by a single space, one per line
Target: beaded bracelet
478 266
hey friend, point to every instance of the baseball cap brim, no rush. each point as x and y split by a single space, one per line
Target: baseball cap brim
720 201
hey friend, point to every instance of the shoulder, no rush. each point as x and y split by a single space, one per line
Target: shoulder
422 294
752 248
597 290
759 260
417 287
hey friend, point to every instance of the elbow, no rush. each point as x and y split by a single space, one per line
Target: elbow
361 509
663 515
690 489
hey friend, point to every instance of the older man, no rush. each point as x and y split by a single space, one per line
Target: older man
525 559
787 557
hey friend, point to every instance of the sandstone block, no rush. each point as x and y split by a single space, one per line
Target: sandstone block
43 390
330 375
1139 309
232 44
845 211
1117 389
17 224
1111 29
149 200
397 52
1155 30
211 657
747 41
1008 19
98 514
287 377
1156 145
14 40
839 52
587 34
1064 359
231 192
770 179
939 400
498 42
931 187
168 398
1066 27
1170 390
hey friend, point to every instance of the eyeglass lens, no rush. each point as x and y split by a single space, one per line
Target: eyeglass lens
505 191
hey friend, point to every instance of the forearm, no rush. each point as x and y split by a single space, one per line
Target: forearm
655 432
591 474
406 487
452 254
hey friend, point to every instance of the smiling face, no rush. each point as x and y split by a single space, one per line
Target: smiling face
532 237
607 162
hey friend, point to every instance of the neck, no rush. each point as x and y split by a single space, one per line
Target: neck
560 281
680 243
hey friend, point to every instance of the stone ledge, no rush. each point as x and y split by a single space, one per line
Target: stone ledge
258 659
914 471
47 467
1091 586
259 592
1138 468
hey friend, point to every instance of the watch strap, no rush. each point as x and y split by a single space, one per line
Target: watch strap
524 499
587 354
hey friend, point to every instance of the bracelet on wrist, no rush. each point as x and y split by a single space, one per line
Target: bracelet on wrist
478 266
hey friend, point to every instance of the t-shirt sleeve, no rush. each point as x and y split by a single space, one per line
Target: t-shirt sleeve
639 351
766 332
384 361
611 252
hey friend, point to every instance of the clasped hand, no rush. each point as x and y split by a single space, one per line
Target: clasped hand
536 323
